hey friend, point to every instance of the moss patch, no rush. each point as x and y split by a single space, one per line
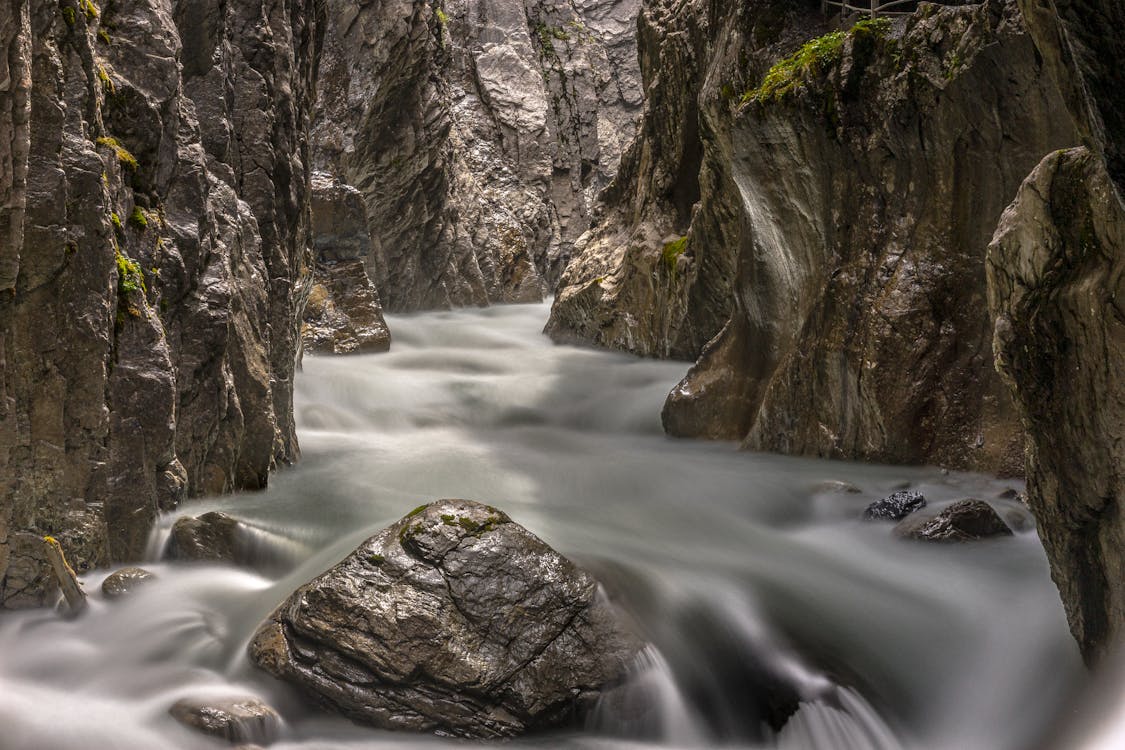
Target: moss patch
138 219
812 59
89 9
125 158
671 253
130 278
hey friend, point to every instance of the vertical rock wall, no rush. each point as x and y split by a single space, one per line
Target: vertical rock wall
1056 285
148 329
478 132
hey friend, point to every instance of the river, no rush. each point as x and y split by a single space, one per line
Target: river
732 563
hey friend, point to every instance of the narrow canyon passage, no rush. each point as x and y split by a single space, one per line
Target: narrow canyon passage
735 565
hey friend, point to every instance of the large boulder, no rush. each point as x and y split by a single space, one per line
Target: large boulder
964 521
455 620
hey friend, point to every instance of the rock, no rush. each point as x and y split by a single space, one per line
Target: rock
1056 276
478 133
454 620
860 329
343 315
212 537
125 581
242 719
895 506
964 521
154 218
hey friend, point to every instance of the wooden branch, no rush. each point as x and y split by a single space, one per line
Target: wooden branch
68 580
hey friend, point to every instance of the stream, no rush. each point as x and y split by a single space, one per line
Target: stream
733 564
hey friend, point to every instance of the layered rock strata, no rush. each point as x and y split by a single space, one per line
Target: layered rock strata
478 132
871 171
154 262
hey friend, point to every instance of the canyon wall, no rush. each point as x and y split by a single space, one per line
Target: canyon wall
1056 284
479 132
154 263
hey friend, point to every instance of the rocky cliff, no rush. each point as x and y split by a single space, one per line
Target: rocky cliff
154 262
654 276
478 132
1056 281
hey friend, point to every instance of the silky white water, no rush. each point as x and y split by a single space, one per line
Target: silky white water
731 563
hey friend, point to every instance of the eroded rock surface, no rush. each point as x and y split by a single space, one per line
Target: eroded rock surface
478 132
1056 285
870 189
125 581
240 719
895 507
153 261
455 620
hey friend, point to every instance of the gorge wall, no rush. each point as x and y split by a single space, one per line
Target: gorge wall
1056 284
838 238
478 132
154 261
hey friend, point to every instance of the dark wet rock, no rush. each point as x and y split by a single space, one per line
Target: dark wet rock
153 257
212 537
964 521
894 507
860 327
125 581
1056 280
243 719
343 314
454 620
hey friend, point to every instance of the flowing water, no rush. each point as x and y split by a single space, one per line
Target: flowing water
740 570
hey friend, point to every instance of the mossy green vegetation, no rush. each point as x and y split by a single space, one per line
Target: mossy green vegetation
89 9
125 158
70 16
138 219
813 58
442 16
130 278
104 36
672 252
118 227
106 81
417 510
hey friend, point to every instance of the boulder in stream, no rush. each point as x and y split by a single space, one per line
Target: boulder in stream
125 581
965 520
239 719
455 620
212 537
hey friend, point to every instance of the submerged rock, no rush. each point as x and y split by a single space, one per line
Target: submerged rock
242 719
455 620
125 581
965 520
895 507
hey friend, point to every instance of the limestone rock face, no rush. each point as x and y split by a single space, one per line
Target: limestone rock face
870 191
342 314
455 620
153 263
1056 280
478 132
654 276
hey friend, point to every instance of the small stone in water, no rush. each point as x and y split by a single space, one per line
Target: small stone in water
895 507
125 581
239 720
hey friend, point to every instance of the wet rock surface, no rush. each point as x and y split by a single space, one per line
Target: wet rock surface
895 506
238 720
456 621
860 326
155 222
125 581
212 537
964 521
1056 278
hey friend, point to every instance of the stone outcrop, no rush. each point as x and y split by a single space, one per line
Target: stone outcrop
454 620
342 314
478 132
654 277
871 179
1056 283
153 264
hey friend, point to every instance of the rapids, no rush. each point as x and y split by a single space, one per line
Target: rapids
732 563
